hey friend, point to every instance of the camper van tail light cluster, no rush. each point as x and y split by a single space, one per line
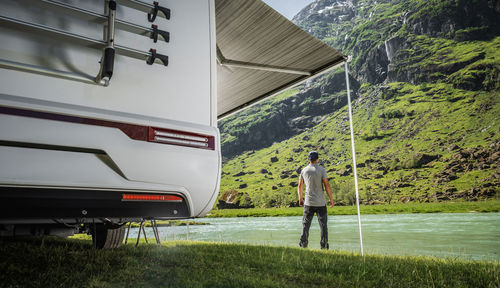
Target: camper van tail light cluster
151 197
181 138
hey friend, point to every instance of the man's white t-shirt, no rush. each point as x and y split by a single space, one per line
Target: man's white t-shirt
313 175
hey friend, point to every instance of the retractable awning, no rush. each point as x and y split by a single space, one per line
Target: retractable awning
261 53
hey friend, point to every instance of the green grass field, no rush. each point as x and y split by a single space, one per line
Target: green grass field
443 207
73 263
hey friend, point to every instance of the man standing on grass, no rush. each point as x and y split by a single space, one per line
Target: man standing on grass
314 176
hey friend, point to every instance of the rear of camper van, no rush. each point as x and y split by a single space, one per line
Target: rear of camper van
107 114
109 108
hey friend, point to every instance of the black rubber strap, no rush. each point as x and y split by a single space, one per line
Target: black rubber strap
154 56
154 12
154 35
108 63
112 5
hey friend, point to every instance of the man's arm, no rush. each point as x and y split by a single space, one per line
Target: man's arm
329 191
299 191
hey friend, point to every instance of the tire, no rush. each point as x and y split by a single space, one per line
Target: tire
104 237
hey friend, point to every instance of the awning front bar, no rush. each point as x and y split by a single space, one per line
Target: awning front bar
256 66
323 70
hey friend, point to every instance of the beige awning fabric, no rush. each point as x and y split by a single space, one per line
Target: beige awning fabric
261 53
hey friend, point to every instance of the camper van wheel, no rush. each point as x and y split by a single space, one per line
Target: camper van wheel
106 237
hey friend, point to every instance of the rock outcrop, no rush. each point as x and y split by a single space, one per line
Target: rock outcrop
233 199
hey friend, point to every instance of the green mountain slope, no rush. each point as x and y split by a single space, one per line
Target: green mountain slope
426 114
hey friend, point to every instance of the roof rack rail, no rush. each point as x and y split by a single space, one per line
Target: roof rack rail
88 15
107 45
151 9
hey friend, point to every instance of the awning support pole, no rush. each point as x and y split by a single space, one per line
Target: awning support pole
353 152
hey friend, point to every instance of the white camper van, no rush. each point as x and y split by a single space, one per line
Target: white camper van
109 109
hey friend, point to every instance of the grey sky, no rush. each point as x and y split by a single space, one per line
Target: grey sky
288 8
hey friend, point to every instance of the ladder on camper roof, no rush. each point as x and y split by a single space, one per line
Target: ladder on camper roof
108 46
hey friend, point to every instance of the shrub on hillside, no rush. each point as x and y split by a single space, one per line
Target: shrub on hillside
390 114
343 193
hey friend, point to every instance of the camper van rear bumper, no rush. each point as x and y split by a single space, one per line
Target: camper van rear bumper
47 144
18 203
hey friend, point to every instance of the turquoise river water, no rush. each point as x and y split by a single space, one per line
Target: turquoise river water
473 236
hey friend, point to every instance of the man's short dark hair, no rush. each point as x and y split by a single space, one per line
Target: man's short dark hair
313 155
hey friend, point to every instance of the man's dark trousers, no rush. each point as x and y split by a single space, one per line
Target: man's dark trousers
306 224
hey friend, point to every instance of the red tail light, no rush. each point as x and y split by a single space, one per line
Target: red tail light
181 138
149 197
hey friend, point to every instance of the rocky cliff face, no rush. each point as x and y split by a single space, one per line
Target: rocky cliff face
461 20
389 28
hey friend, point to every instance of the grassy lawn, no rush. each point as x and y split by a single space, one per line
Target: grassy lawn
73 263
443 207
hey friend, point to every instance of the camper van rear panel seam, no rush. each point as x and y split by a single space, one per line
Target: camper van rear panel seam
133 131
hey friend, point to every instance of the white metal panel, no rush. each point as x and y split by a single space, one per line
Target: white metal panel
213 64
181 91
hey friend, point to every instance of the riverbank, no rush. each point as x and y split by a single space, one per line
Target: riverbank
73 263
169 223
407 208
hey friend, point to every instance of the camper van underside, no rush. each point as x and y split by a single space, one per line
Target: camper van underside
53 205
64 212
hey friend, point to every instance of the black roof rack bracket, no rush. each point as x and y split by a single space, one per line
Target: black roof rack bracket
154 12
155 31
155 56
